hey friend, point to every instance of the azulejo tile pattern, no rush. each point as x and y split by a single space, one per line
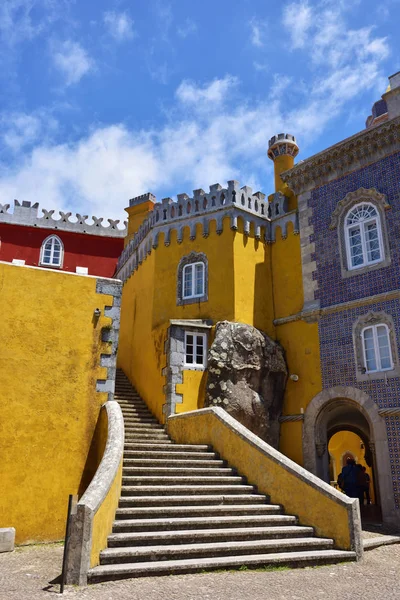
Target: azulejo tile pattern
384 176
338 358
338 364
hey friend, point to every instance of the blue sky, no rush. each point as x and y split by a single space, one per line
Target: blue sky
103 100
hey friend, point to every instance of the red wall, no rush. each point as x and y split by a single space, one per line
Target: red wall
99 254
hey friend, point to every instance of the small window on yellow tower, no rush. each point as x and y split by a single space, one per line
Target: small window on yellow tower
192 281
195 349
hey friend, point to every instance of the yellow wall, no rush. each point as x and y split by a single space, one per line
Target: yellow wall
193 389
298 497
49 353
287 282
252 274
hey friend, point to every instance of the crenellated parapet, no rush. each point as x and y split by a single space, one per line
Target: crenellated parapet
27 214
219 204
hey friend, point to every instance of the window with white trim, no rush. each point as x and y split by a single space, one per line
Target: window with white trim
52 251
377 348
195 350
193 280
363 235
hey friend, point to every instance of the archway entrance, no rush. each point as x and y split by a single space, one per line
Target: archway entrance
339 412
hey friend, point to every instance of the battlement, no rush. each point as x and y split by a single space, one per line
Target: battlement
203 207
141 199
26 214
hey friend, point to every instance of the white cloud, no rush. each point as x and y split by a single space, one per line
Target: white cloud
119 25
298 18
208 137
187 28
22 20
257 29
71 60
212 94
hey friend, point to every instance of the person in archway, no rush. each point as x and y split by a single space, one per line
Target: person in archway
367 481
347 479
361 482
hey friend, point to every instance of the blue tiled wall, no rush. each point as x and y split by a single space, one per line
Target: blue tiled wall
338 363
333 289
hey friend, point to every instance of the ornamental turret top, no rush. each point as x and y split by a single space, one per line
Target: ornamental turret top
282 144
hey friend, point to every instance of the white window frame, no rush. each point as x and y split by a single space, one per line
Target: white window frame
362 225
196 336
192 267
52 239
378 359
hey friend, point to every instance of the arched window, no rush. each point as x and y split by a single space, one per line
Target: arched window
376 347
192 280
363 236
52 251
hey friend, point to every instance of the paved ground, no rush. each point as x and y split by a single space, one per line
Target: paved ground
25 575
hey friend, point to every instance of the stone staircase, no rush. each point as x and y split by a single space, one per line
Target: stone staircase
183 509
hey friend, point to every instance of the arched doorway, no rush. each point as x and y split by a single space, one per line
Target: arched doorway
349 409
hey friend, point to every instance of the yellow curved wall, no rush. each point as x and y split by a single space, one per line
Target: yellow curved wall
49 353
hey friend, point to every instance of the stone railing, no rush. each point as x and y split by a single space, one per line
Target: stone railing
95 511
27 214
317 504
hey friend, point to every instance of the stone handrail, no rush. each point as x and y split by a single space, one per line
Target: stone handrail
95 511
317 504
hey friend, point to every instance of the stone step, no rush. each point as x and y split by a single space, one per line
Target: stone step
180 471
218 522
176 463
182 480
166 455
173 449
151 553
143 425
148 420
145 433
160 502
175 567
193 536
197 511
176 490
133 438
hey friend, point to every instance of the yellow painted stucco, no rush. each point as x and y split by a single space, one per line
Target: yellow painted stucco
50 352
192 389
312 507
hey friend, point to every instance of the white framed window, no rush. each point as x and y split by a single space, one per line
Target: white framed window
195 349
363 234
52 252
377 348
193 280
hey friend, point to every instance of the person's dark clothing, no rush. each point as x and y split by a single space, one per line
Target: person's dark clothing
349 479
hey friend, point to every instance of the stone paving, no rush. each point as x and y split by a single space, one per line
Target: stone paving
26 575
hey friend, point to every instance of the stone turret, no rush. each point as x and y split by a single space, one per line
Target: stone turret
138 209
282 149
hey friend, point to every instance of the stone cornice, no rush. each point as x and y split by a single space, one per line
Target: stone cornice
351 154
313 315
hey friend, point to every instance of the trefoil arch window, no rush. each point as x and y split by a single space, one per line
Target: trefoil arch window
192 279
363 234
52 252
376 348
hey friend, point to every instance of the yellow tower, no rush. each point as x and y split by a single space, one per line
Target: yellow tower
282 150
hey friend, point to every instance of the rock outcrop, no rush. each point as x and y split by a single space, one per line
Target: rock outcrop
247 375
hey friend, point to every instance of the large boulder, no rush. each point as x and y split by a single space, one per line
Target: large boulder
247 375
